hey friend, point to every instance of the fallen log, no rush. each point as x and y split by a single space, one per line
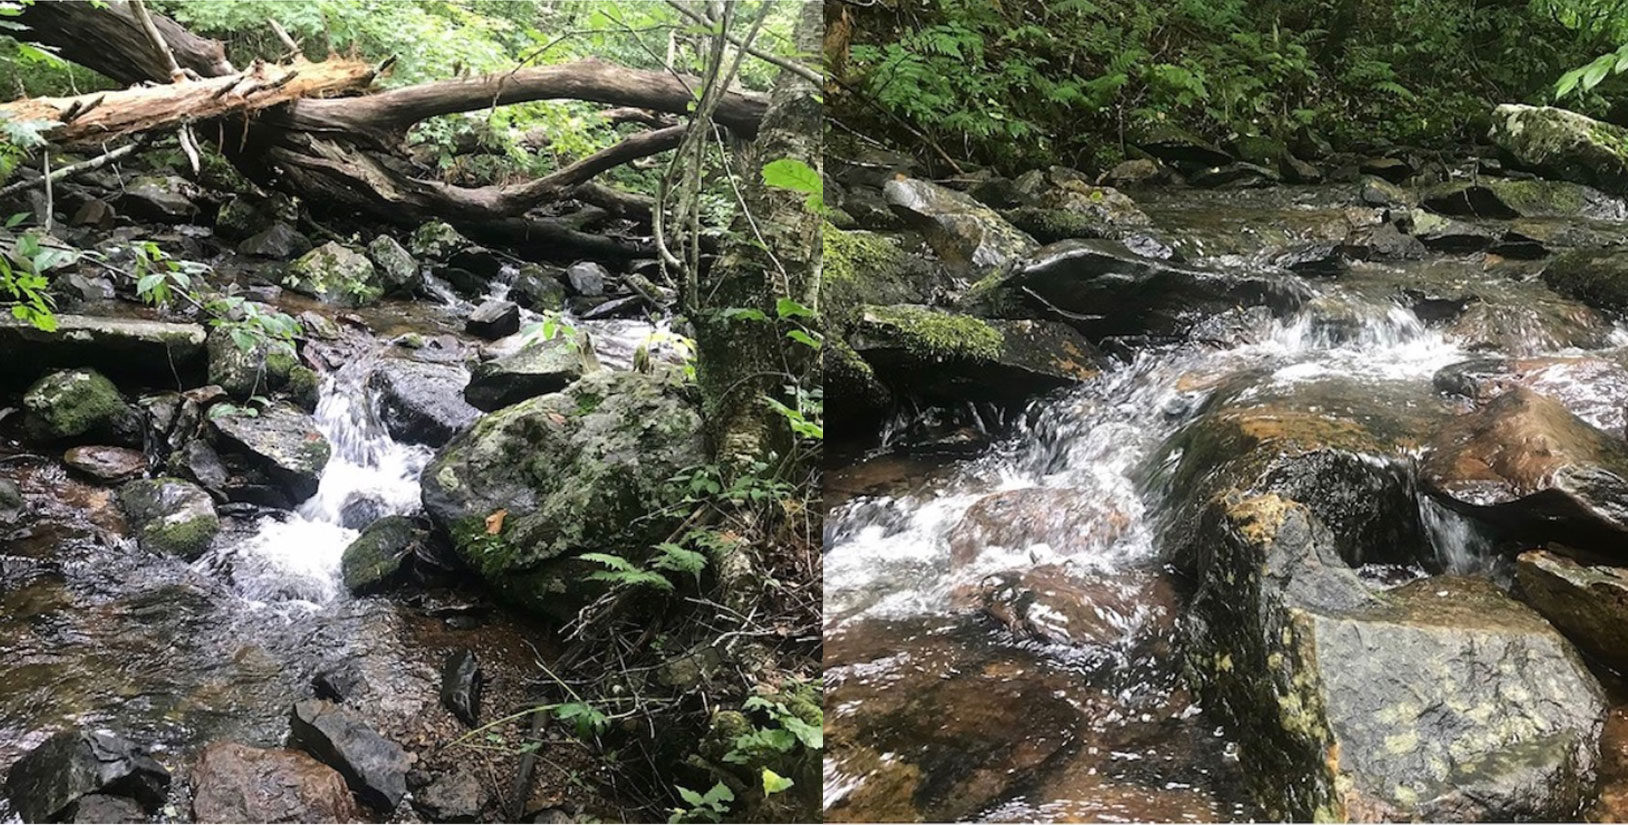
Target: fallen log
102 116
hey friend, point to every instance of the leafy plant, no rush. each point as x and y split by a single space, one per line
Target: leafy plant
708 807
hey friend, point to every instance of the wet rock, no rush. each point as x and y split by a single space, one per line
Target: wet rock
375 560
537 289
610 442
1083 277
237 783
1591 388
871 268
493 320
240 217
337 683
539 367
1055 605
1612 804
104 808
461 686
12 503
109 465
1524 461
277 242
319 326
335 273
422 403
587 278
1597 277
1449 235
79 287
374 767
202 464
1238 175
1059 203
1587 603
1377 191
170 516
1131 174
1351 704
1173 145
1383 242
280 439
73 404
158 198
1394 170
946 357
1295 170
1505 199
455 797
398 272
1557 143
46 782
1068 522
965 233
437 241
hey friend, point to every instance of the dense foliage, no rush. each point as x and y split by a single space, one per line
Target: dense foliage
1029 81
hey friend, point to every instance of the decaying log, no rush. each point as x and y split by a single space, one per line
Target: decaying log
106 115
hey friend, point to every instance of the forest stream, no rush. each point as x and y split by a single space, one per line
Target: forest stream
1015 594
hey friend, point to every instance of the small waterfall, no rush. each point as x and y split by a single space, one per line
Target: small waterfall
1462 546
296 558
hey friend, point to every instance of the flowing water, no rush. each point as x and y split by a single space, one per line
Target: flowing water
1075 710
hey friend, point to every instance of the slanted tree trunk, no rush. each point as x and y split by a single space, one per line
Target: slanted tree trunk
345 153
774 251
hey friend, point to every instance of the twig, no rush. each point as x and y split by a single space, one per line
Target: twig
157 40
744 45
50 200
282 34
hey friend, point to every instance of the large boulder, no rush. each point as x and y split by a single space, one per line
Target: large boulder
1527 463
1562 144
584 469
281 440
398 271
539 367
945 357
1505 198
1597 277
872 268
1109 290
1443 699
74 403
375 559
1587 603
421 402
965 233
238 783
116 347
1060 203
279 242
373 766
336 273
1172 144
171 516
493 320
158 198
46 783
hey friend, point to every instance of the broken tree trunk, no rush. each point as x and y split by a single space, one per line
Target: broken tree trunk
103 116
346 153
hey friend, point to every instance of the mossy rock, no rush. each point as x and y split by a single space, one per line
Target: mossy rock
967 235
376 559
585 469
74 403
266 367
867 268
399 273
1597 277
171 516
437 241
336 273
1562 144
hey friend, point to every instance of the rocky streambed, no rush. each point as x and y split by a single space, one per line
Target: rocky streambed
224 595
1230 499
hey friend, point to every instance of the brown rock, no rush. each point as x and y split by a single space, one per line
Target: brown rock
1589 604
237 783
110 465
1069 521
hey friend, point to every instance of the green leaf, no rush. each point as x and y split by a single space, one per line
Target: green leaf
793 174
787 308
774 783
803 338
744 314
690 797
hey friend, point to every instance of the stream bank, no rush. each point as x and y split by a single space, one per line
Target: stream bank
1241 498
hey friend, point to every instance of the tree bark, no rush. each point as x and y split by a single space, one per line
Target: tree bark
741 362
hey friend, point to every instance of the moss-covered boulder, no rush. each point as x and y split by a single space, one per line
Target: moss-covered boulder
422 402
1505 198
945 357
871 268
377 558
1597 277
1441 700
1588 603
1060 203
241 217
1527 463
72 404
170 516
398 271
281 440
437 241
586 469
966 234
266 367
336 273
864 398
537 368
1107 289
1562 144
